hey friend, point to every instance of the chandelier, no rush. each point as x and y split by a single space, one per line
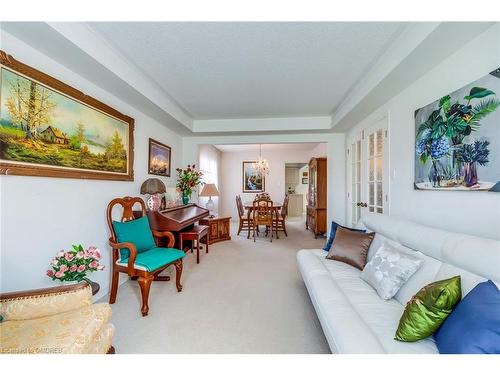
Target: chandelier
261 165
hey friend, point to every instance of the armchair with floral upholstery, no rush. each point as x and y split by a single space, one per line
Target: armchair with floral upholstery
55 320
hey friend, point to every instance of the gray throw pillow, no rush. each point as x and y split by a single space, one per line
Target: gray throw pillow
389 269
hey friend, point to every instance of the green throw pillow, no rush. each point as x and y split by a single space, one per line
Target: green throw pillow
135 231
428 309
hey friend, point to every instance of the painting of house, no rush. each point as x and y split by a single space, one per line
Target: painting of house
54 135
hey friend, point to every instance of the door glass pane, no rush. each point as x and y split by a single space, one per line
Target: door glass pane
371 171
371 143
372 209
380 210
379 169
379 194
358 171
379 142
358 152
358 191
371 194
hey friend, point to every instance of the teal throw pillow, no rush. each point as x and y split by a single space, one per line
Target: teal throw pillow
135 231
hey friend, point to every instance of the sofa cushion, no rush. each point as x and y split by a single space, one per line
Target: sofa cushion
333 230
351 247
474 325
154 258
428 309
389 269
137 232
353 317
70 332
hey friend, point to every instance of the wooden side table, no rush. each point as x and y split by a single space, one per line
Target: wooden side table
219 228
196 233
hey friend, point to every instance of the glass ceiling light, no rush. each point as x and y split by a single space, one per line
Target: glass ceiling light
261 165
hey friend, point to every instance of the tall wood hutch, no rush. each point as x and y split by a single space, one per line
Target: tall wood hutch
316 198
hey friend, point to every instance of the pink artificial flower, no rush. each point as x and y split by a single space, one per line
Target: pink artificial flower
63 268
86 255
69 256
93 264
79 255
100 267
60 254
59 274
54 262
50 273
73 268
97 254
81 268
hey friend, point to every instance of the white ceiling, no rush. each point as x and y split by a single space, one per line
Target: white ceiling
267 146
252 69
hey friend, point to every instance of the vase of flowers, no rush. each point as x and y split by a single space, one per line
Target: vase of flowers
188 180
73 265
470 155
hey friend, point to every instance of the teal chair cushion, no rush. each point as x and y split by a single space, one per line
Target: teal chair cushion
155 258
135 231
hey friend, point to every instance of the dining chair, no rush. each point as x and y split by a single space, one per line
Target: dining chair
262 210
245 219
280 221
136 252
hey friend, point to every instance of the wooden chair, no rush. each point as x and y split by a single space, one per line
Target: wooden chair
262 211
245 220
145 275
262 196
280 219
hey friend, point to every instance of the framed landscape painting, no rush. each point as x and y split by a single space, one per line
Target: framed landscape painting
253 180
159 158
457 143
48 128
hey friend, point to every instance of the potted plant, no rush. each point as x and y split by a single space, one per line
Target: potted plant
188 180
73 265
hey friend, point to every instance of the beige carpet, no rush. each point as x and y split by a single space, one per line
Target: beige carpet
243 297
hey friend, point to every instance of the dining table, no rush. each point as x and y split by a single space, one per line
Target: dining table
276 207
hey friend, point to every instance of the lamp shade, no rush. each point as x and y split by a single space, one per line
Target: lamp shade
153 186
209 190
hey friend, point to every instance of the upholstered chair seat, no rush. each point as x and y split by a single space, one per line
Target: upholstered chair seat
54 321
154 258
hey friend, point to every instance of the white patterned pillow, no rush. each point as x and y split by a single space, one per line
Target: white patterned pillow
389 269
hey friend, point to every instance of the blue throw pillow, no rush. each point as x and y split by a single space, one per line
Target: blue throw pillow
333 232
474 325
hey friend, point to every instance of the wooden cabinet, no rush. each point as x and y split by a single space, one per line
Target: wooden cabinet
219 228
316 202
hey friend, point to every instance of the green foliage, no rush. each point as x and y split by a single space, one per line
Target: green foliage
478 92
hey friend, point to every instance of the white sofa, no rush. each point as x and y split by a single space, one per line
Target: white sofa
355 319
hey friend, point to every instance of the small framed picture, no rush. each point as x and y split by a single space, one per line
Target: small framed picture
159 158
305 181
305 174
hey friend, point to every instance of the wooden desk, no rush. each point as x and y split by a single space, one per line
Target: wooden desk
218 228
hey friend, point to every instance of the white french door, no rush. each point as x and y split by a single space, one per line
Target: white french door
368 172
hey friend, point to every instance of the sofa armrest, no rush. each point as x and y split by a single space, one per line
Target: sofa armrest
38 303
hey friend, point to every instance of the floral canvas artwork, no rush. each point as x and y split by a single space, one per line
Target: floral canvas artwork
457 144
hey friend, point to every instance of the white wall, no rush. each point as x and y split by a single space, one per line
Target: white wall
41 215
231 183
476 213
334 150
210 157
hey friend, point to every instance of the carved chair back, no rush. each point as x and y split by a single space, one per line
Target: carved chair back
262 195
284 208
127 203
263 211
239 204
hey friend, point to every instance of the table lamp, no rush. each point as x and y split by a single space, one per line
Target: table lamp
154 187
209 190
